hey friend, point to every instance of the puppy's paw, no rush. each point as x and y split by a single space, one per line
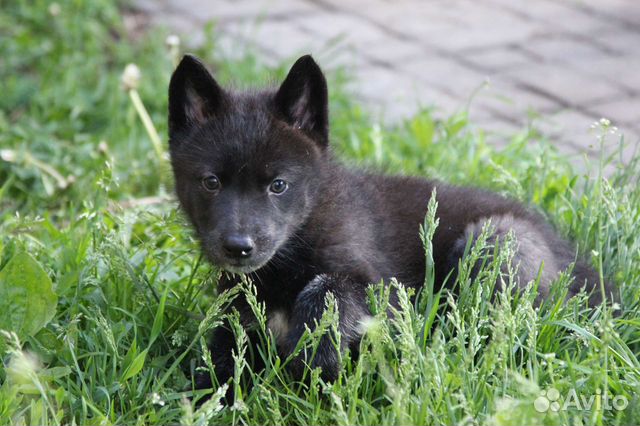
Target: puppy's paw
202 381
326 358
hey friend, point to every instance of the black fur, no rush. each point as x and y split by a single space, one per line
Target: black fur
332 229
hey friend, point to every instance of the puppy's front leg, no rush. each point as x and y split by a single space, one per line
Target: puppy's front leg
221 345
308 309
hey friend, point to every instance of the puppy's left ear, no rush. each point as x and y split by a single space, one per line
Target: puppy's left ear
303 100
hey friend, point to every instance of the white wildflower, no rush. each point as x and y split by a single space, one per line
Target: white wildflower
156 399
8 155
103 148
131 77
179 337
172 41
54 9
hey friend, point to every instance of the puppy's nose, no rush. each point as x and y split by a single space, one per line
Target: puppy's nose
239 246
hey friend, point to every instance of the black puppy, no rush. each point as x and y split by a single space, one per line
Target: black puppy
256 177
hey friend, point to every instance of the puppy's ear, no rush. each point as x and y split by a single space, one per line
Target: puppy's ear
303 100
194 96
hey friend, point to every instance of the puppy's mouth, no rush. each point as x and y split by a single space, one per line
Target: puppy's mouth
241 266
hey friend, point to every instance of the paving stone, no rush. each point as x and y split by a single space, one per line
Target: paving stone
619 11
570 86
417 23
482 35
277 38
449 76
340 56
396 96
563 49
571 18
404 15
222 10
395 52
621 71
546 11
505 100
426 26
572 59
625 111
181 24
502 58
617 40
384 111
150 6
340 5
331 26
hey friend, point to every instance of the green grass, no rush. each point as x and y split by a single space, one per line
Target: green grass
134 297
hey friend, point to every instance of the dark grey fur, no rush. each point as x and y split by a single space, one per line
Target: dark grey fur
332 229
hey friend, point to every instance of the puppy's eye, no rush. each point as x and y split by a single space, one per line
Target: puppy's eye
278 186
211 183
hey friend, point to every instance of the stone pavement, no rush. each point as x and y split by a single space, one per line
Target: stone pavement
561 63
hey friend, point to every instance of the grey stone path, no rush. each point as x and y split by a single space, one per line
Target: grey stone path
571 61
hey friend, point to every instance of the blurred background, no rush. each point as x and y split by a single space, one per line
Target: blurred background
557 64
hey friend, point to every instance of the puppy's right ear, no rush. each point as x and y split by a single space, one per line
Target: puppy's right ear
194 95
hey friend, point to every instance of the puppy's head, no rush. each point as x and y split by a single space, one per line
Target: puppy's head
246 165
